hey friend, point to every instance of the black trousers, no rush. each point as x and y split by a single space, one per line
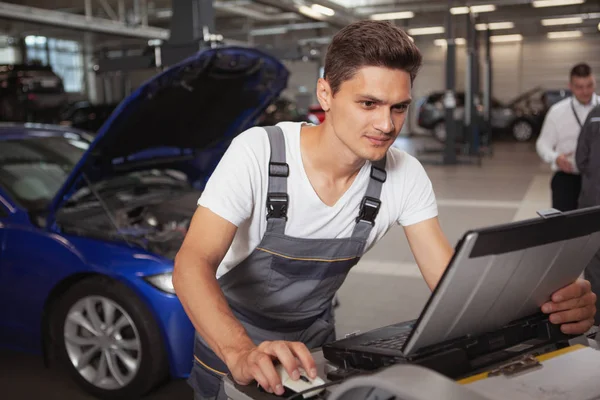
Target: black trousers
565 191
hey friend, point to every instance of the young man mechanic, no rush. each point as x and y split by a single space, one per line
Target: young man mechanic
287 213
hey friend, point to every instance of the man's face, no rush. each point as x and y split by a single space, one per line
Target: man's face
583 88
368 111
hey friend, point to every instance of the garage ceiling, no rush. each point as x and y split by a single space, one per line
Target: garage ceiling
281 23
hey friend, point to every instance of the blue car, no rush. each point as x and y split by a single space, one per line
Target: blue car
89 226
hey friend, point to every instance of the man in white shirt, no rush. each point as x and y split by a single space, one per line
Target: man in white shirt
558 140
290 209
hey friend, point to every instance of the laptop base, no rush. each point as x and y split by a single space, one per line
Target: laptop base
457 358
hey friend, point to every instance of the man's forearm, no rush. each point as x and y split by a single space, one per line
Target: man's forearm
205 304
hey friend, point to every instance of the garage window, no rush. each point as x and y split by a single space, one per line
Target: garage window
64 56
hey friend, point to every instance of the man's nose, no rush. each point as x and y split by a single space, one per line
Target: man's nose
384 122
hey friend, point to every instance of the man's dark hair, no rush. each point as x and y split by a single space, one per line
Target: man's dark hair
582 70
369 44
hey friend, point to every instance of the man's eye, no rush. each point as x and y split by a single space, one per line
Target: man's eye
368 104
402 108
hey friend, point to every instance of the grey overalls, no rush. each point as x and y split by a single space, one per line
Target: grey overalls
284 289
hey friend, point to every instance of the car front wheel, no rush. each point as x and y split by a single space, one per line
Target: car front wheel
108 340
522 130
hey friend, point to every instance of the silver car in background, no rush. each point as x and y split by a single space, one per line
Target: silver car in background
521 118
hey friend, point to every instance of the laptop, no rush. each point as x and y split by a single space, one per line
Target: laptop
488 298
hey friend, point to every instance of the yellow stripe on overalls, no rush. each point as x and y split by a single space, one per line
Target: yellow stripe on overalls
199 361
540 358
304 259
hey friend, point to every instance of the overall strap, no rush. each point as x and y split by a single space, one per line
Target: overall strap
277 197
369 207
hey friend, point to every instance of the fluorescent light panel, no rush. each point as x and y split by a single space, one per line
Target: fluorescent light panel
564 34
562 21
495 26
393 15
443 43
309 12
323 10
459 10
556 3
506 38
483 8
474 9
431 30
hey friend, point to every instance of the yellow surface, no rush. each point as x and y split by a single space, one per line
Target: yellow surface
540 358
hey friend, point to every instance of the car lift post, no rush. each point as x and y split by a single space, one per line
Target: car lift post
449 96
487 92
449 156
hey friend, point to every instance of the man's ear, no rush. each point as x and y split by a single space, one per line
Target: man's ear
324 94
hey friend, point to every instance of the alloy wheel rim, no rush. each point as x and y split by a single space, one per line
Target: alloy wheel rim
522 131
102 342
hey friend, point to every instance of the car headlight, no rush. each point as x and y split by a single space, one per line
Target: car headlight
162 282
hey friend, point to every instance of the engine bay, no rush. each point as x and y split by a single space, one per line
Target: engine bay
155 220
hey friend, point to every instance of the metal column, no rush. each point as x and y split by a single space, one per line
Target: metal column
471 115
487 91
449 96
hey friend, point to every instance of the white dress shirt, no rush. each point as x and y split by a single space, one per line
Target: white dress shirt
561 130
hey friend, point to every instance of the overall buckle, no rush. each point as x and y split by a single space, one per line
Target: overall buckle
369 208
277 205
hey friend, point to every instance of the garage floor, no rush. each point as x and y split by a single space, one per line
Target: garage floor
510 185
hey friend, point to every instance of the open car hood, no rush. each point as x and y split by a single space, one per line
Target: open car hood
194 106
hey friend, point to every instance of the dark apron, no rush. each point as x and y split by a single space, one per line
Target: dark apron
284 289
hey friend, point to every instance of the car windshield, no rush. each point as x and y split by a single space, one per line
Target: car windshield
32 170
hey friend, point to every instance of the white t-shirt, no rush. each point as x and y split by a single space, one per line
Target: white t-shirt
237 192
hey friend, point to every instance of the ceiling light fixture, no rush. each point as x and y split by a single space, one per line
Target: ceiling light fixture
564 34
474 9
444 43
495 26
556 3
323 10
483 8
431 30
506 38
309 12
562 21
393 15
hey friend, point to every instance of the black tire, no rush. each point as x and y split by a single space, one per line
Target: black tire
153 367
522 130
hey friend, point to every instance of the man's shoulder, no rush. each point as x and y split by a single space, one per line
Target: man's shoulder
257 135
401 160
559 107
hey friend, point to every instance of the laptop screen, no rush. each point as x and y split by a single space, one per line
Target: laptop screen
504 273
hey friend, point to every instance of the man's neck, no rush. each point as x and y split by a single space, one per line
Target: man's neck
323 150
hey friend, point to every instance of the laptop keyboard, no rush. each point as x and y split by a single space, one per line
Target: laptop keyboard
393 343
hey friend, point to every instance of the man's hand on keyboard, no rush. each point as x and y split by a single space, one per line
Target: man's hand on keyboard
573 307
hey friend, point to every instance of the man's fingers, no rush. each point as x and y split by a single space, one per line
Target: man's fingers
306 358
282 352
579 302
574 290
575 315
265 364
577 328
261 379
